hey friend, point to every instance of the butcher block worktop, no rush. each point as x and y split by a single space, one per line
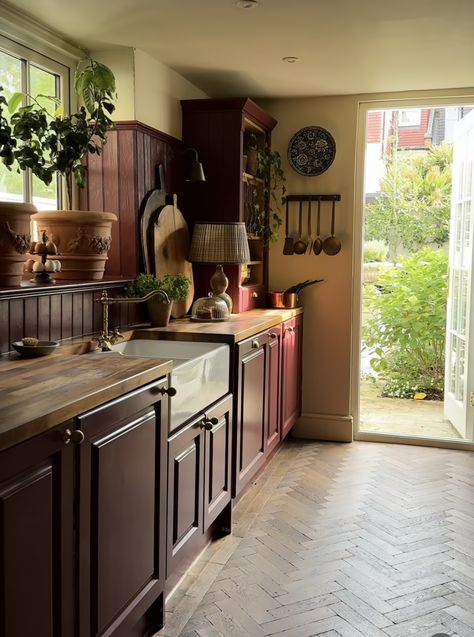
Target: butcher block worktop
238 328
38 394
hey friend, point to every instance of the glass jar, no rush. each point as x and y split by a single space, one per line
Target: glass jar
210 308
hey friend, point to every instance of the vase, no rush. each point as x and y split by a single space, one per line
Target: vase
83 239
159 312
15 240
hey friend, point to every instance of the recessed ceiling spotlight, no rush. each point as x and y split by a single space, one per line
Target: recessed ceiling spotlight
247 4
291 59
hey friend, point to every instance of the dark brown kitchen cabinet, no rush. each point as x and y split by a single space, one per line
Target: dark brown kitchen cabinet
199 481
223 131
37 537
291 373
82 524
251 408
274 389
121 522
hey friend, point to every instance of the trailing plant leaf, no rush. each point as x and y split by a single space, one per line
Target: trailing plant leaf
15 100
270 169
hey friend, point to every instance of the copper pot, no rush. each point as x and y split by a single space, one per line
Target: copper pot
282 300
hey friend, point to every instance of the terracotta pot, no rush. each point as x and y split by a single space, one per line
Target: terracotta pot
83 239
159 312
15 240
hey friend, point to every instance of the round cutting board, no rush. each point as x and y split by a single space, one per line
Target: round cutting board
171 236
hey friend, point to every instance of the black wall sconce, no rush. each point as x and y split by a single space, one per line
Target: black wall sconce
197 172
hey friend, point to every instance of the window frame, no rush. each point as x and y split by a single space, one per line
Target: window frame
63 72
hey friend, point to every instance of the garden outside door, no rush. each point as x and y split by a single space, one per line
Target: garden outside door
459 370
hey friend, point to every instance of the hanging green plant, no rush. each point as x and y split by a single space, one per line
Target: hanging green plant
46 141
270 169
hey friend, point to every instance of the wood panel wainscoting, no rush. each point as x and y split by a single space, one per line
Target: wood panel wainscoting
58 312
119 179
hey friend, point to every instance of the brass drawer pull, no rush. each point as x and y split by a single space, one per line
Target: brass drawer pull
255 344
76 436
208 423
289 329
255 295
272 335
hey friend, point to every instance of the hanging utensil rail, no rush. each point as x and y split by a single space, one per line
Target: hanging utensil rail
313 198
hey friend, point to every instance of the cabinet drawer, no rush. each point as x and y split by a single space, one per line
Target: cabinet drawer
129 404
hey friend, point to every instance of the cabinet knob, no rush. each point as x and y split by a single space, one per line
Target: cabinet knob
255 295
289 329
255 344
206 424
170 391
272 335
76 436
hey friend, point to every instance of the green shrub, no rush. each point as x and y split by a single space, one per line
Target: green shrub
407 323
375 251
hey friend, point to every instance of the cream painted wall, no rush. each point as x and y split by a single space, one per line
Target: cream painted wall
329 306
148 91
158 90
122 63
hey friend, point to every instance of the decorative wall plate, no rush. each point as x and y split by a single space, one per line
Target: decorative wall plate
311 151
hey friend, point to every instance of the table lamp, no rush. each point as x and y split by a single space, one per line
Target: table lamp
220 242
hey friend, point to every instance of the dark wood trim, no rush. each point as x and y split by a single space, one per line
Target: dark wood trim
251 109
149 130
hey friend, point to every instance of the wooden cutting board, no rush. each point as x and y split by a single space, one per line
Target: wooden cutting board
171 236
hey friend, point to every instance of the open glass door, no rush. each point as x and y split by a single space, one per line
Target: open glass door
459 372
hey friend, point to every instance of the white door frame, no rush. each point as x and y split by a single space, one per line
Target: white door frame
363 107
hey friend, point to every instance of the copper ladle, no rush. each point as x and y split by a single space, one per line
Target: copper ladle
318 242
332 245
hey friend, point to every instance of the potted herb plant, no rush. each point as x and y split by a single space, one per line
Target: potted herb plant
176 287
48 142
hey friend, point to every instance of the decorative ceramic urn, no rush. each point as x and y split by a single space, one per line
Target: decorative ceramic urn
83 239
15 240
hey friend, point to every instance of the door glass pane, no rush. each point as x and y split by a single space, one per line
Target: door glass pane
11 182
44 83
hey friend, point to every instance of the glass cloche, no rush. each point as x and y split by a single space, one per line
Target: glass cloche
210 308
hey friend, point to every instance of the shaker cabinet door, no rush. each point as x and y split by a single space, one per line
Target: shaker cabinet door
291 373
37 535
122 497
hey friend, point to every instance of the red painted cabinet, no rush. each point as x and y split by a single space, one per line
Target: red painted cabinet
199 481
37 537
291 376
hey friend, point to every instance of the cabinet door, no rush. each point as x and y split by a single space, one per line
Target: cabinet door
122 500
273 387
251 410
37 535
291 373
217 463
185 488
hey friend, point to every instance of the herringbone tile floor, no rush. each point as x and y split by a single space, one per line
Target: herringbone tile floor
358 540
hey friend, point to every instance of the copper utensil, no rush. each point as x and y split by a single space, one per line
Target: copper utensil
332 245
300 245
289 241
318 243
310 232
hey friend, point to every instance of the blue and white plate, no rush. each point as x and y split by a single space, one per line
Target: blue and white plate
311 151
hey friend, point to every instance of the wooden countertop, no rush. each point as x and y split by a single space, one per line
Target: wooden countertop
238 328
37 394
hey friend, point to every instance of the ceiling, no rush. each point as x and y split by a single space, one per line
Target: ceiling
344 46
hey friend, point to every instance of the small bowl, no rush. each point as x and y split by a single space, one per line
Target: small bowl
42 348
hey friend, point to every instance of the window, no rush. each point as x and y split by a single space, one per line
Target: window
22 69
410 117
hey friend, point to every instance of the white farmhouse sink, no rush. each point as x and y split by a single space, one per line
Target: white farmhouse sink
200 371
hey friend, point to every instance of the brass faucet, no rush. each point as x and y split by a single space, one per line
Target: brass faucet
106 339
